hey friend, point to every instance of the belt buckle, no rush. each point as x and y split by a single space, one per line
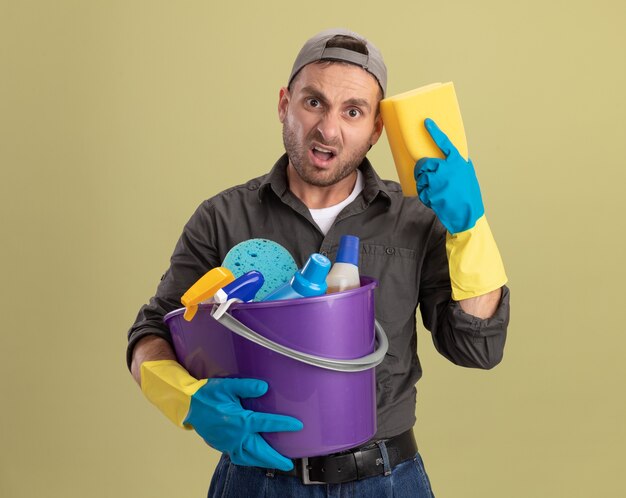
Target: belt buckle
305 473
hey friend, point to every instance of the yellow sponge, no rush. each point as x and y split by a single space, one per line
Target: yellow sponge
403 116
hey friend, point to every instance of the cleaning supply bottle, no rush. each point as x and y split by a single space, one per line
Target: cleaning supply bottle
308 282
205 288
344 274
243 288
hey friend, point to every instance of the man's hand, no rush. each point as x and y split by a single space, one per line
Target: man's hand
212 407
449 186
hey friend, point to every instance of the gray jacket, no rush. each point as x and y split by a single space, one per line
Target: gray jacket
402 245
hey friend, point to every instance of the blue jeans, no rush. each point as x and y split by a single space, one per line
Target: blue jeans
408 479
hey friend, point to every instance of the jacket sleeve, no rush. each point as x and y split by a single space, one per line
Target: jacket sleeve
464 339
193 256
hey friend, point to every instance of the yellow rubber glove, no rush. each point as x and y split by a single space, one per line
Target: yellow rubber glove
474 261
450 188
213 408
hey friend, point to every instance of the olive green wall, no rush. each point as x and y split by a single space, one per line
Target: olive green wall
118 117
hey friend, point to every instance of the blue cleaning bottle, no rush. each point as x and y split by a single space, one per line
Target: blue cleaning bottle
308 282
243 288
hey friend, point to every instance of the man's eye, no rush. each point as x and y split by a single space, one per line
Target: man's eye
314 102
354 113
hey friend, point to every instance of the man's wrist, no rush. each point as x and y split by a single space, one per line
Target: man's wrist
483 306
149 348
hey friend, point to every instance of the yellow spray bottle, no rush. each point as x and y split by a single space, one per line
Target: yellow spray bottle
205 288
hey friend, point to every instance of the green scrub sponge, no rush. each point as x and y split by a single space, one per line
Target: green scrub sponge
270 258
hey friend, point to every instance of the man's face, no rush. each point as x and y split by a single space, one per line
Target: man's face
330 121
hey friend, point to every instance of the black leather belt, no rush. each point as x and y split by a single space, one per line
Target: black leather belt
352 465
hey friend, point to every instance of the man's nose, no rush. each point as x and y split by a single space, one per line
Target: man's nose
328 126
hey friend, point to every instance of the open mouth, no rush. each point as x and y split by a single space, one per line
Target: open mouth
322 153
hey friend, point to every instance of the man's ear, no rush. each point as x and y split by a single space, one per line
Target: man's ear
378 128
283 103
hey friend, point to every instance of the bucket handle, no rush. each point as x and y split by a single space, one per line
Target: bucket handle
356 365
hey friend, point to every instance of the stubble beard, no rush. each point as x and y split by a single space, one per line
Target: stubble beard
298 151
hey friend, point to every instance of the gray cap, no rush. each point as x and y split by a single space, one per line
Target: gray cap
315 50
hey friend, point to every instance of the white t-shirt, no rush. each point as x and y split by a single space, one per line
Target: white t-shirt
326 216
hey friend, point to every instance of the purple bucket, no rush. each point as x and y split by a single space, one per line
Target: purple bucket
316 354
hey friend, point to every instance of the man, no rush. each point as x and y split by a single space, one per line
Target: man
423 252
